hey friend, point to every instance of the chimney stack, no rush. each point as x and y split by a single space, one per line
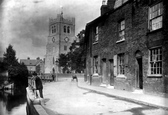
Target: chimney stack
104 7
107 5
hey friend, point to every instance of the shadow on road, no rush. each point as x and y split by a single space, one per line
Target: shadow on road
139 110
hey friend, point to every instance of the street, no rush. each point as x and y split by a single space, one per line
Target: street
66 98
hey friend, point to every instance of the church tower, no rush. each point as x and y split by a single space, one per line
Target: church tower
61 35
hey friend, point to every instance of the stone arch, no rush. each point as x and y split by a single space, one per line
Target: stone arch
138 54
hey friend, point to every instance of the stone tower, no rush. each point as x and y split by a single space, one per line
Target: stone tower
61 35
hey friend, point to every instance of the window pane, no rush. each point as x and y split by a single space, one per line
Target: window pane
122 25
152 71
95 66
65 29
161 70
157 23
156 61
121 64
155 11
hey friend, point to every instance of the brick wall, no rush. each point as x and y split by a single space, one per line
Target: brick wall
137 38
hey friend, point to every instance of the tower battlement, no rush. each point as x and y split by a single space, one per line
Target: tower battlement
60 18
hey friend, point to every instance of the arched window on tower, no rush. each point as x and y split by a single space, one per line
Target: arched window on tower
65 29
68 29
54 29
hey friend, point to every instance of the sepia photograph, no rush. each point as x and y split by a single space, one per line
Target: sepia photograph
83 57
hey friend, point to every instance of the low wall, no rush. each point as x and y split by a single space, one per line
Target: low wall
47 77
123 84
69 75
34 105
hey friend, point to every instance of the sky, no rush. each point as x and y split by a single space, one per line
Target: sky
24 23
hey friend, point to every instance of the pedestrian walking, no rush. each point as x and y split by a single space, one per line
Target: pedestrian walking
53 77
74 77
38 84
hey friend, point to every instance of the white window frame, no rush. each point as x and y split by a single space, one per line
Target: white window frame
156 16
95 65
121 64
155 62
96 34
121 31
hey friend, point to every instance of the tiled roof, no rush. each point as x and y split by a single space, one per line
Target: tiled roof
29 62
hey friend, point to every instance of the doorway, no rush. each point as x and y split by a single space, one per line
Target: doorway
104 72
111 71
139 74
139 69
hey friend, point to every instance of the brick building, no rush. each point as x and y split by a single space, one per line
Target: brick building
34 65
127 46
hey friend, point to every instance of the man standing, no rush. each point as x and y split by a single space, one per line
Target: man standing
53 74
38 84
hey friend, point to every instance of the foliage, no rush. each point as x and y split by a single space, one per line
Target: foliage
17 72
10 57
75 59
3 69
63 59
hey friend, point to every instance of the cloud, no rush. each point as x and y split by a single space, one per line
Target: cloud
24 23
1 43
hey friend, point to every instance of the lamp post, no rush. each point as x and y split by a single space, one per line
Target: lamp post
57 63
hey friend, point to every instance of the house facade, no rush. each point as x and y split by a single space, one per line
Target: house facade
127 46
34 65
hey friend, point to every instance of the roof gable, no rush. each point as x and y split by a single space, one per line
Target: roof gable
29 62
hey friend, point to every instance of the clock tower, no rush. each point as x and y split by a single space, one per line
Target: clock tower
61 35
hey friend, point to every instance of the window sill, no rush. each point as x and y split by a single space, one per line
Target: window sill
96 42
154 31
154 76
121 76
119 41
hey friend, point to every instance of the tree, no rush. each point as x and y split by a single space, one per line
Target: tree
63 61
10 57
3 70
78 53
22 75
75 59
17 72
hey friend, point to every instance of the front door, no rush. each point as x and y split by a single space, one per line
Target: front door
139 73
104 71
111 75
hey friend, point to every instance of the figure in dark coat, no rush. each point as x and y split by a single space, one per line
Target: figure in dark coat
74 77
39 85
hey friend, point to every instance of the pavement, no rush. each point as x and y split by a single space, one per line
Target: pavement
137 97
